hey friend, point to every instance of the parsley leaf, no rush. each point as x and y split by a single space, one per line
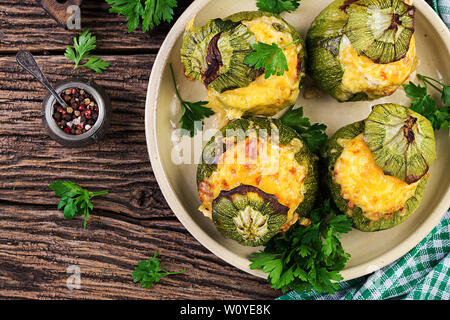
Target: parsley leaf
131 9
193 113
96 64
314 134
157 11
152 13
277 6
148 272
269 57
80 51
74 199
425 105
306 258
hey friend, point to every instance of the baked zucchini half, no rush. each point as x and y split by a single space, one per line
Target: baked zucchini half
363 177
362 49
257 178
214 54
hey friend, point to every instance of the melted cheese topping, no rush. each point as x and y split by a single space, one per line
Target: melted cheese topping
365 185
363 75
262 96
262 164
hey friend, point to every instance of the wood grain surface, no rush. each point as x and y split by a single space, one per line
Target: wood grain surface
59 10
37 244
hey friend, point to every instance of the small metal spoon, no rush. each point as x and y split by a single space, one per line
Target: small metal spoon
25 60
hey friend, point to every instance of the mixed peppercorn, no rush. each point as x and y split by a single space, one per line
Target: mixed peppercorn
81 114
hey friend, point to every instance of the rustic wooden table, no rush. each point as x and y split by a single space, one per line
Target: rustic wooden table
37 244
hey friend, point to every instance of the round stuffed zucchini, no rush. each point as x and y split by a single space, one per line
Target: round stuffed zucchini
362 49
257 178
215 53
377 177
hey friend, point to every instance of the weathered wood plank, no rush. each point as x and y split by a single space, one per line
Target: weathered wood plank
60 11
43 34
30 159
37 244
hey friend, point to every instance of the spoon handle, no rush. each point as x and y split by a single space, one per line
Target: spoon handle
25 60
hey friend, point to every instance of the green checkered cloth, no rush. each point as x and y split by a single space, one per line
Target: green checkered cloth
442 8
422 274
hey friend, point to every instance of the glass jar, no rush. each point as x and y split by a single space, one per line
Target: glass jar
98 129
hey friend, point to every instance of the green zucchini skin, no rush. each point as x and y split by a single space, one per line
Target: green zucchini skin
330 153
302 55
323 41
226 209
304 156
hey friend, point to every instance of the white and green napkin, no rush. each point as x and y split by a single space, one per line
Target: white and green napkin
442 8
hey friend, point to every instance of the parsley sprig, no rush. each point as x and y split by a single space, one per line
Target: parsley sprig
82 46
277 6
151 13
148 272
269 57
193 113
309 257
314 134
424 104
75 200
